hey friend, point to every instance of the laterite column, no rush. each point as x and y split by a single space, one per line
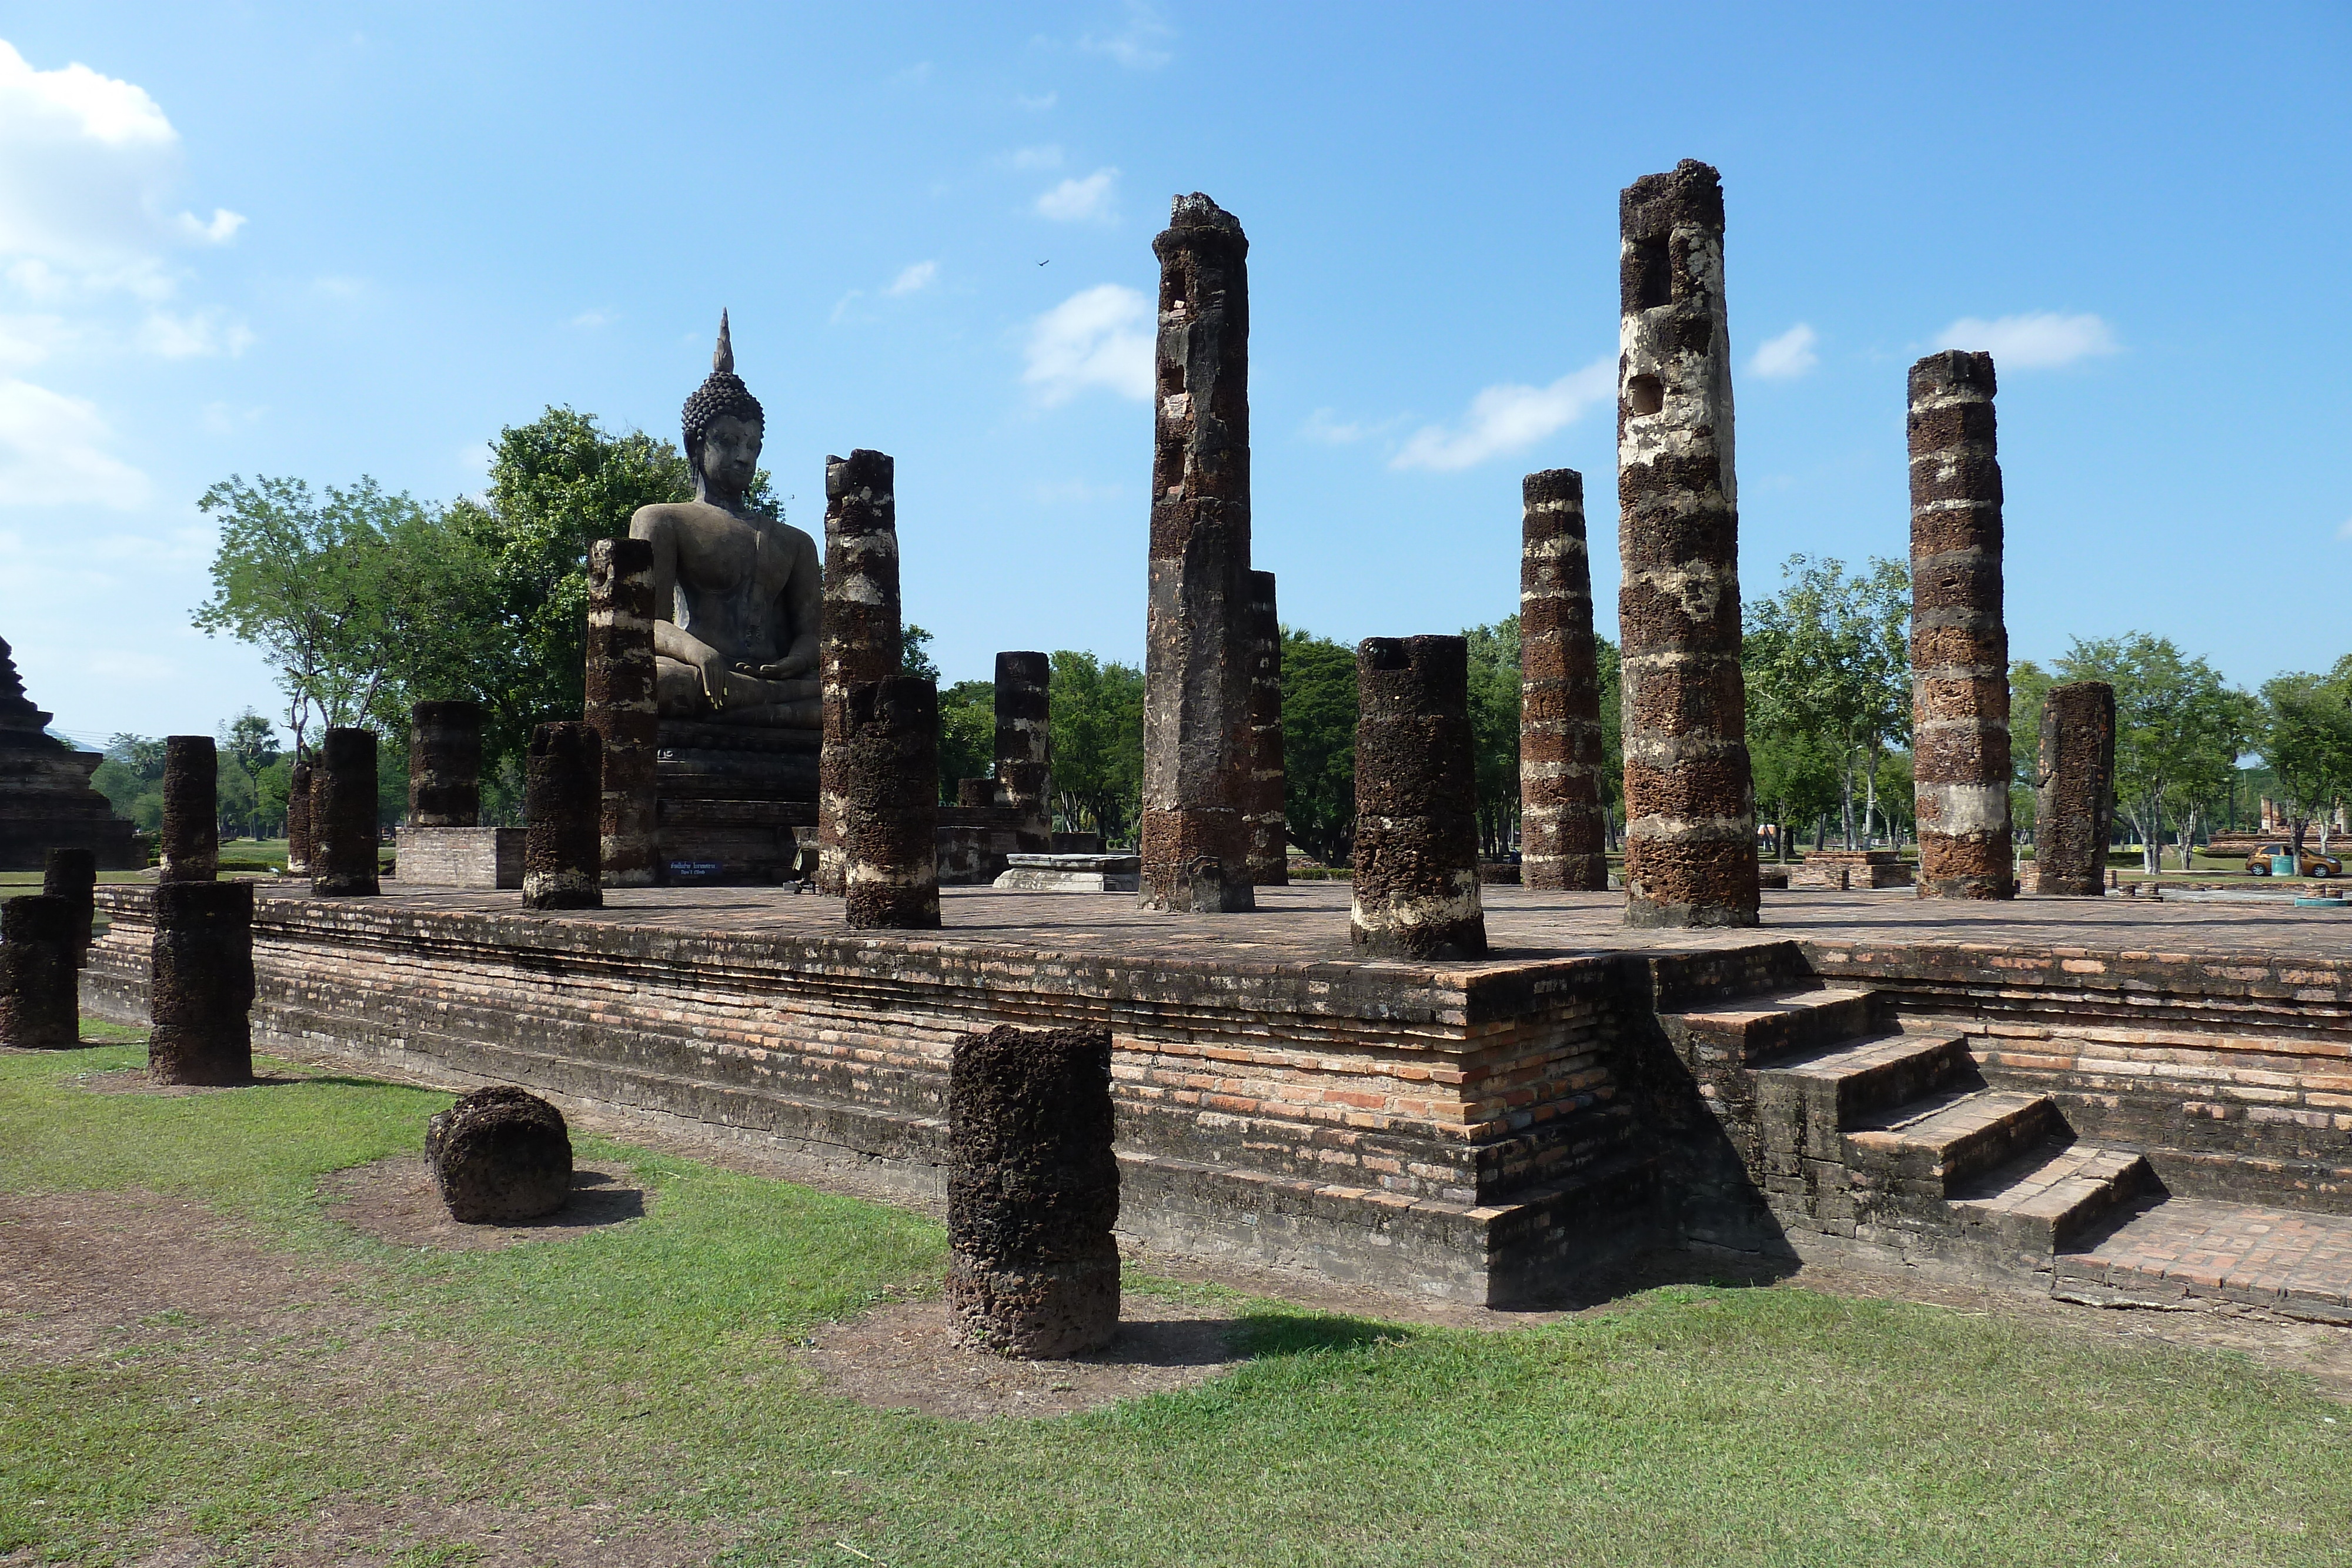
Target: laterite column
298 820
860 640
40 994
2073 815
1563 838
1024 780
72 875
1032 1192
1959 644
343 816
563 800
1415 888
1690 798
1195 844
890 804
621 706
1261 806
202 996
445 765
191 809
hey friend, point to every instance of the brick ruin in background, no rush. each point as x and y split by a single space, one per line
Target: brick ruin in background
1415 887
1032 1192
1261 806
445 765
622 708
39 992
1563 833
191 809
46 799
890 791
1195 845
1690 807
861 641
203 987
2073 815
1959 644
564 807
343 816
1024 724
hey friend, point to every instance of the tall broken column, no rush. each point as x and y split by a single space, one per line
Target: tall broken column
861 638
201 990
1960 643
1025 724
1690 798
2074 814
343 836
564 795
1196 676
190 850
890 804
1414 890
1563 832
445 765
298 817
1262 804
621 708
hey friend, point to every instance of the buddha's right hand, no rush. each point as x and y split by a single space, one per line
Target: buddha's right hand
713 666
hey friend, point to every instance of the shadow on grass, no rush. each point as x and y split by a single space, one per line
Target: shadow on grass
1263 1335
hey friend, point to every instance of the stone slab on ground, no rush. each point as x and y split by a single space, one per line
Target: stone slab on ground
459 857
1071 874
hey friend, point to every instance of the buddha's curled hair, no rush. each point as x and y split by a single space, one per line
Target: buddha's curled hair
724 393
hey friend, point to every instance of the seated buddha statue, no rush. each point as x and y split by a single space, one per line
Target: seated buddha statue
736 592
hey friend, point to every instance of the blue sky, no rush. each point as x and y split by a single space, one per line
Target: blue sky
329 239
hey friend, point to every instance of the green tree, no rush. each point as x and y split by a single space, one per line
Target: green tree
1319 744
1829 658
914 654
1096 716
967 734
2305 735
251 739
2178 731
2029 688
131 779
1798 779
1495 730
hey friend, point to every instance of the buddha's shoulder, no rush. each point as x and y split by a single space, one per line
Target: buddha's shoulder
668 517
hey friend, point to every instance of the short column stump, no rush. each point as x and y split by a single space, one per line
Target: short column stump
500 1155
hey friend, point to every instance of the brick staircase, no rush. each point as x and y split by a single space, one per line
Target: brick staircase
1851 1128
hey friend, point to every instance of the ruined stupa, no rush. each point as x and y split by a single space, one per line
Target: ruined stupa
46 799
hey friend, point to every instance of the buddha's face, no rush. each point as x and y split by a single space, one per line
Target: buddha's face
730 453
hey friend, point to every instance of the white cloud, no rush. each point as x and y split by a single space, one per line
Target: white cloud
914 280
841 306
1788 356
1074 200
197 335
30 339
78 100
219 230
1099 338
1039 104
1138 45
2040 339
1325 426
1031 158
1505 418
334 288
52 452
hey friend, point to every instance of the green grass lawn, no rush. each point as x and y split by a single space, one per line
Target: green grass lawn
647 1365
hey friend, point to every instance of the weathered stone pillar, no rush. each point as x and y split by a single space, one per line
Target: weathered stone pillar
621 706
298 820
1563 832
563 795
191 809
1690 798
1415 890
860 639
891 803
1024 780
2074 814
1960 643
72 875
1032 1192
445 765
342 816
1196 676
40 995
1262 805
201 995
500 1155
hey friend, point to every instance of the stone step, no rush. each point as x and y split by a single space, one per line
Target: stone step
1807 1100
1773 1024
2194 1252
1945 1139
2049 1198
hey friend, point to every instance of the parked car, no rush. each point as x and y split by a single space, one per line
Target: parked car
2312 864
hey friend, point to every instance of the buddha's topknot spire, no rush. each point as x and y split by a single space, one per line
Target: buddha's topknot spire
722 359
723 393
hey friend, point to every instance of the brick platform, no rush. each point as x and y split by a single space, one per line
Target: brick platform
1478 1131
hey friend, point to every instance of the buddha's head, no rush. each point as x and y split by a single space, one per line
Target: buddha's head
722 424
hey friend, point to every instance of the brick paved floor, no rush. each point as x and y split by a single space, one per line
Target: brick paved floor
1308 922
2189 1250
